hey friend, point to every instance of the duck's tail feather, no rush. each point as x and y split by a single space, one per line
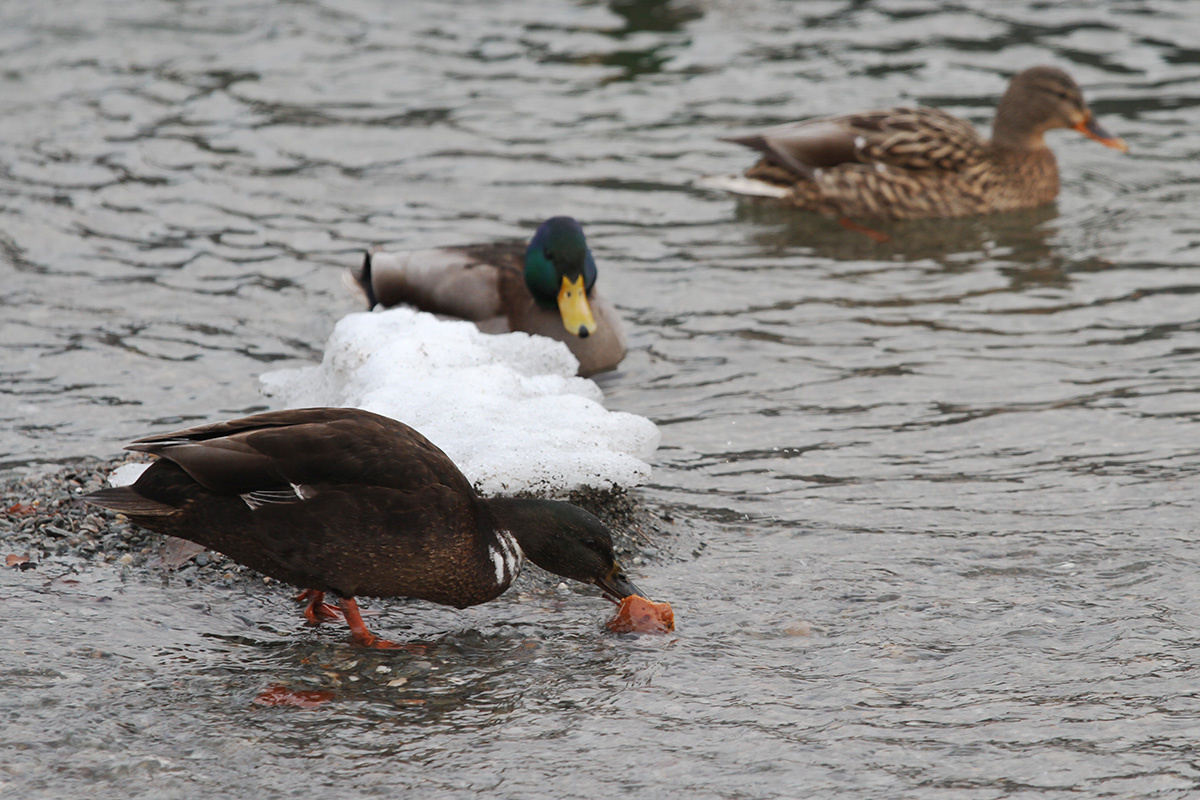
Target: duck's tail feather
359 281
127 501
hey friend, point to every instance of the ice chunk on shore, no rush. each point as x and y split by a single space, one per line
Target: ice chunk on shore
508 408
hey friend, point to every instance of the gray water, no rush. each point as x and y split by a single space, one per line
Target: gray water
933 500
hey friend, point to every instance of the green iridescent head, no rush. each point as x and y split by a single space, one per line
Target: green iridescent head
560 273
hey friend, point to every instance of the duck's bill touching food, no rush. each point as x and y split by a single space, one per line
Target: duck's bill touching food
615 586
345 501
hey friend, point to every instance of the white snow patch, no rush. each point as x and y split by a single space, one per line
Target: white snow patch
508 409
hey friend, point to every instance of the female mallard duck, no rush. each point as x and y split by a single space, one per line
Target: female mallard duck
545 288
904 163
346 501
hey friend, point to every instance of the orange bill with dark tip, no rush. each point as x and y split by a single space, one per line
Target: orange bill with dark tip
1091 129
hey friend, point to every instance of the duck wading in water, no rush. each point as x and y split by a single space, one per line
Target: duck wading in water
546 287
345 501
906 163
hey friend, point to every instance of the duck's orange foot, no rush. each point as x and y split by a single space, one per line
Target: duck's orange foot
318 610
851 225
371 640
360 636
385 644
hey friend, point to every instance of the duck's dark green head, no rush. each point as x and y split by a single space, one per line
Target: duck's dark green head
566 540
560 273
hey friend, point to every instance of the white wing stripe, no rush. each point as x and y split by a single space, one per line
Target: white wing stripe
262 497
501 565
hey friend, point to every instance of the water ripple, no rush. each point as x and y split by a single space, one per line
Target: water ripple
933 499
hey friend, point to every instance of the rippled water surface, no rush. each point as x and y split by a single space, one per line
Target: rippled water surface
933 500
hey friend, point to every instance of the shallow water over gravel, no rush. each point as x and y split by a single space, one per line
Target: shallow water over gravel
933 500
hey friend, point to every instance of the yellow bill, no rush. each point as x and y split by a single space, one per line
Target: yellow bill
574 308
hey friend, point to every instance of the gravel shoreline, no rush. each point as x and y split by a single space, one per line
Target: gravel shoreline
44 519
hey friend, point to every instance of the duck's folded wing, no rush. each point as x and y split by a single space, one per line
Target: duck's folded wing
292 455
916 139
802 147
907 138
460 282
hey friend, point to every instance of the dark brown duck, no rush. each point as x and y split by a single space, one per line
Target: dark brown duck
905 163
345 501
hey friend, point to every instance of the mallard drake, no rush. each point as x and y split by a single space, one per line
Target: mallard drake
546 287
904 163
345 501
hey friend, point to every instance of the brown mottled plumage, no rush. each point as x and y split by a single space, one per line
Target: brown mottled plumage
343 500
905 163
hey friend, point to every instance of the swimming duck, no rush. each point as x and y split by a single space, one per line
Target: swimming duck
546 287
904 163
345 501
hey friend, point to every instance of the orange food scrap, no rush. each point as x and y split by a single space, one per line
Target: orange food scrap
15 560
22 509
639 615
300 698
